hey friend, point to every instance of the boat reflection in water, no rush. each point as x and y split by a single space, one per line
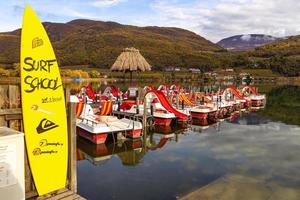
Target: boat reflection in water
252 154
129 151
159 136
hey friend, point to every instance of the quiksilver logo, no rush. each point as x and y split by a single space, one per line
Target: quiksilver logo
45 125
36 42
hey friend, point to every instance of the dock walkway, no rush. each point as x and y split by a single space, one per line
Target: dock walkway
139 117
64 194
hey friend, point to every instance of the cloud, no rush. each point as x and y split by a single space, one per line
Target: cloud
214 19
106 3
232 17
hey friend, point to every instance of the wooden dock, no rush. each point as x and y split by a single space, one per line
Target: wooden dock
11 116
64 194
144 118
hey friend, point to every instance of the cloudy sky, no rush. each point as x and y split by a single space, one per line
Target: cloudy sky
212 19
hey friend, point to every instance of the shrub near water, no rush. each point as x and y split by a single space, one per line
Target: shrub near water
74 73
4 73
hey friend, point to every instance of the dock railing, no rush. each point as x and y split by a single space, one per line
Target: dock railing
11 116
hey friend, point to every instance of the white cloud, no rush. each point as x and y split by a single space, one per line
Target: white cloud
232 17
106 3
214 19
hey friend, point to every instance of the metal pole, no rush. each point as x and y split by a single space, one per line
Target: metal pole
137 105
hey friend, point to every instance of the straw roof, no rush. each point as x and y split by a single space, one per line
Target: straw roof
131 60
132 157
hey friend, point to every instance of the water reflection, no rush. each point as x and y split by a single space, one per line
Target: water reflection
284 104
249 156
250 118
251 153
129 152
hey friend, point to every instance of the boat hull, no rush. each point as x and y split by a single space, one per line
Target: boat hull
199 115
162 121
93 137
135 134
257 103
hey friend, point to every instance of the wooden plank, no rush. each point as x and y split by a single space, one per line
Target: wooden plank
10 111
30 194
61 195
4 96
14 96
56 193
3 103
78 197
69 197
3 122
13 117
14 102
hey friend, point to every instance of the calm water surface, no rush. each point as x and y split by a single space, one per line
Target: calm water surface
254 155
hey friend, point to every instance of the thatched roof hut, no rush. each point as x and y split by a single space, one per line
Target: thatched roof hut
132 157
130 60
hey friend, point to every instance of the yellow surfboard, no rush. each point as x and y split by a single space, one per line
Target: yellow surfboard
43 106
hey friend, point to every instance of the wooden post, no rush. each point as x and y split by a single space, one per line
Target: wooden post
141 93
72 169
118 103
137 105
151 110
14 97
177 101
67 93
3 100
145 115
130 76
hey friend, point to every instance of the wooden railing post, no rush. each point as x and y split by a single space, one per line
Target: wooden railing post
72 169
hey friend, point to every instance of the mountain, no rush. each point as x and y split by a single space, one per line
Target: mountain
246 42
97 43
282 56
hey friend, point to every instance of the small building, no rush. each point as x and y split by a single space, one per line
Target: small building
195 70
229 70
244 74
215 74
228 78
172 69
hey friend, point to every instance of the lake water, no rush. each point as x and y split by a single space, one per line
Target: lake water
254 156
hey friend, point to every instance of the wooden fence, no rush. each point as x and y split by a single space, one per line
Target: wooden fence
11 116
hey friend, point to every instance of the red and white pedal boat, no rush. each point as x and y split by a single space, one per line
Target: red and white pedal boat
161 116
97 127
204 112
257 100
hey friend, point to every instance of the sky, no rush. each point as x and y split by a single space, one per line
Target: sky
212 19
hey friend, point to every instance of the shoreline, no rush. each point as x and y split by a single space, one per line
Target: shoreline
257 80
